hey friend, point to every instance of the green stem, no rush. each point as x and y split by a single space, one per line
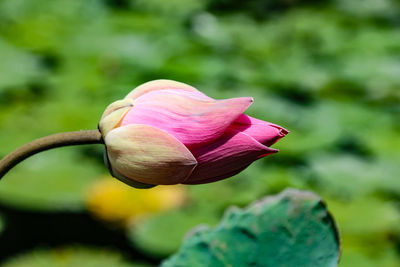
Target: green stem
46 143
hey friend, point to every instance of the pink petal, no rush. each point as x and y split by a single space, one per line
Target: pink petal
227 156
217 178
264 132
193 119
157 85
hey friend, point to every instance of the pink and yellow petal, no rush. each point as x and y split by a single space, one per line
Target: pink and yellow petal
148 155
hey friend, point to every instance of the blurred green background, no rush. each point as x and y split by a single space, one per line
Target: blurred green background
329 71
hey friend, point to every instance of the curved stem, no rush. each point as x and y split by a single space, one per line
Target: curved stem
46 143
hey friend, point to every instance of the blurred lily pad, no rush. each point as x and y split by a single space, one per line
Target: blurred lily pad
346 175
53 180
162 234
17 69
367 225
367 217
71 257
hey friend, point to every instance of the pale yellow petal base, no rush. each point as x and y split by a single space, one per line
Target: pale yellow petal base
114 114
148 155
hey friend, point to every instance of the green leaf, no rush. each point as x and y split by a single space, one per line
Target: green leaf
71 257
293 228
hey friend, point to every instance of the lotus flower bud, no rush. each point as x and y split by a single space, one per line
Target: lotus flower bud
166 132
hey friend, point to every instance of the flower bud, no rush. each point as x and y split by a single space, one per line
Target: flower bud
167 132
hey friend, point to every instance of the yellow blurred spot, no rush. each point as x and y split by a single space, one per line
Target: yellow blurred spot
112 200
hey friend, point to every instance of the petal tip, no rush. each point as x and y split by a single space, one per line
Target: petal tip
247 99
283 132
269 151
